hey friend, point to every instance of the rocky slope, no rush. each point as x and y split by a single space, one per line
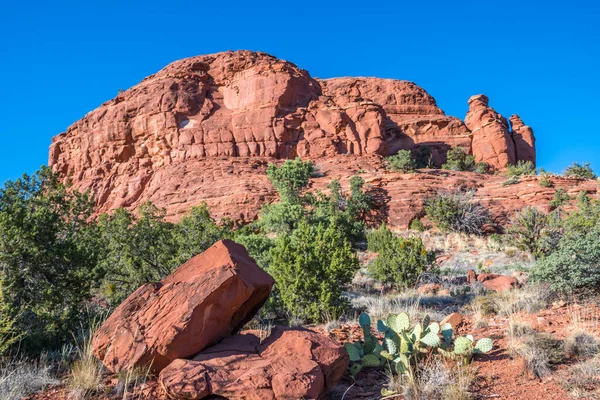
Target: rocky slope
204 128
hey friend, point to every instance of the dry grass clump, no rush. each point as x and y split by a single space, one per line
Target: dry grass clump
583 379
582 345
86 371
435 379
19 378
541 352
379 307
130 379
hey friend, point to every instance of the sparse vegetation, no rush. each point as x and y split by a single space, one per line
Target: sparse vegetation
560 197
402 161
457 212
580 171
521 168
400 261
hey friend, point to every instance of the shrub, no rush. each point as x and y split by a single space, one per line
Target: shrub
582 345
400 261
197 231
290 178
136 250
402 161
457 212
20 378
521 168
531 230
573 265
311 266
560 197
417 225
545 181
580 171
458 160
541 351
512 180
47 254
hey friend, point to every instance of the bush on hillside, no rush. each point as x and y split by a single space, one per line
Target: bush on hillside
457 212
532 230
402 161
560 197
400 262
521 168
290 178
457 159
580 171
574 265
311 266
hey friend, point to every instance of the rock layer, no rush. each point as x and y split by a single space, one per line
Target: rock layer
289 364
203 128
206 299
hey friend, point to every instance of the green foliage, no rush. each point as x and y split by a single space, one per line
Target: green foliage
545 181
400 261
290 178
560 197
417 225
311 266
197 231
584 218
457 159
521 168
402 161
512 180
534 231
574 264
457 212
137 250
580 171
47 257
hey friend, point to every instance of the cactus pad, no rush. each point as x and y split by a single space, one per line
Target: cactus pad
484 345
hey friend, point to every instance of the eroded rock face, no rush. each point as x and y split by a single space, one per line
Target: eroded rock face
204 128
206 299
492 140
289 364
523 138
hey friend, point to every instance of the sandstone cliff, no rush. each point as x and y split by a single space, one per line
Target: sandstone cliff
204 128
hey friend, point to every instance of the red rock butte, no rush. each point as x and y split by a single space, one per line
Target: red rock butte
203 129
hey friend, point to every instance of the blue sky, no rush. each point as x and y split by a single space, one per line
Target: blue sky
541 60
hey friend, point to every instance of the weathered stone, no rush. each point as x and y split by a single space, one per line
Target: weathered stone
454 319
203 129
206 299
501 283
289 364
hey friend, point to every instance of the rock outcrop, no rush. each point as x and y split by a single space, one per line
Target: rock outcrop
523 138
493 140
206 299
288 364
204 128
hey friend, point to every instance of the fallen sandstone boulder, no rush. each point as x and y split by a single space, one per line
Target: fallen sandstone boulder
289 364
208 298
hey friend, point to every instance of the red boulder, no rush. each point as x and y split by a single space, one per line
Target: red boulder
208 298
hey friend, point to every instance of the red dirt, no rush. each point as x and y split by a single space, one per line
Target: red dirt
498 375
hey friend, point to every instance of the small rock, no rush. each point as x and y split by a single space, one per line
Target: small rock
454 319
428 288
